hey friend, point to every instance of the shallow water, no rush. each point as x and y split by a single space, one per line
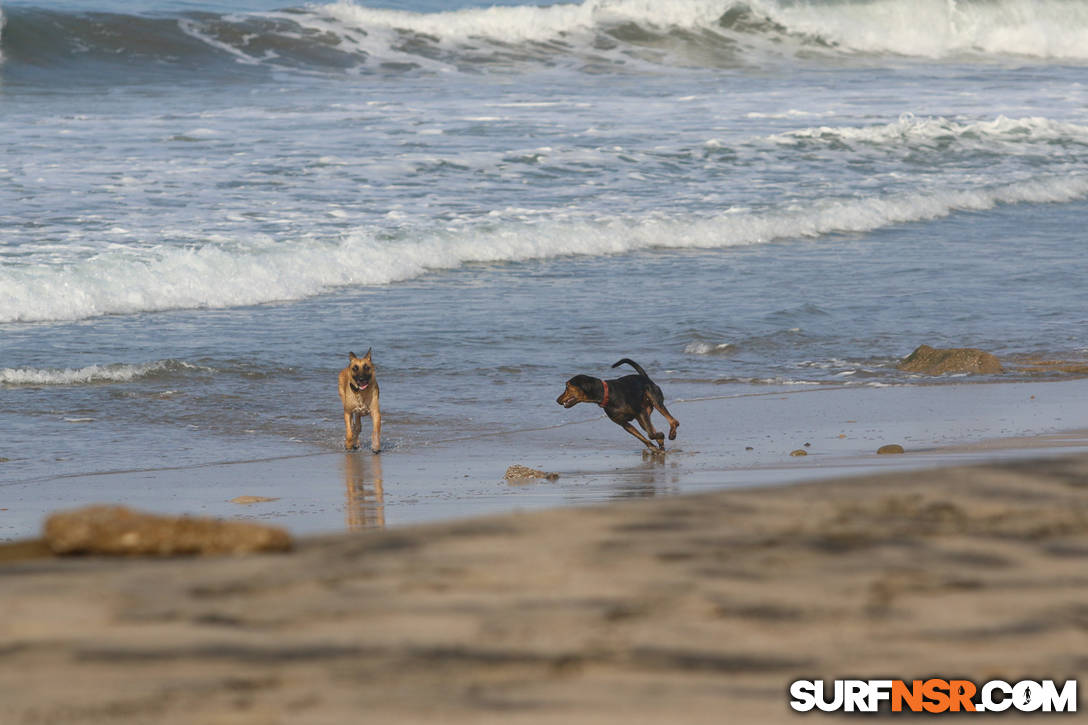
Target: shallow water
204 208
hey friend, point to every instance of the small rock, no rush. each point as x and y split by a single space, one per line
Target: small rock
799 452
252 499
5 460
890 449
116 530
931 361
520 473
749 448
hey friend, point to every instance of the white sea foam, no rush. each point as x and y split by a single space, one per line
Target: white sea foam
925 28
109 373
124 280
938 28
531 23
193 29
706 348
913 131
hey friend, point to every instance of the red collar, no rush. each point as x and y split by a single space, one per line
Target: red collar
604 400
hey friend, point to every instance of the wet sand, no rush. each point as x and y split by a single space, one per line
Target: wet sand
696 609
724 442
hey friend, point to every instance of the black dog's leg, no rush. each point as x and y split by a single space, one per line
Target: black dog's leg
658 401
634 431
648 426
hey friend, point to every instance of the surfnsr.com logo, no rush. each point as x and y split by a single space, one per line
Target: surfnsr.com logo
933 696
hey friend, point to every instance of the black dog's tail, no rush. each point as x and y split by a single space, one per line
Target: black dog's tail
633 364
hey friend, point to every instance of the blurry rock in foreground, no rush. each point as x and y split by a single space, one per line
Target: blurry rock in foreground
116 530
932 361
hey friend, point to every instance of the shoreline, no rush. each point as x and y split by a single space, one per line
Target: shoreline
724 442
637 611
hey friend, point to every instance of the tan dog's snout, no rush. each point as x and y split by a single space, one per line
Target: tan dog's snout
362 374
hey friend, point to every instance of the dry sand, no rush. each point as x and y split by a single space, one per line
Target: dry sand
688 609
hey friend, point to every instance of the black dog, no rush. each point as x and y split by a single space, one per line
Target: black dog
632 397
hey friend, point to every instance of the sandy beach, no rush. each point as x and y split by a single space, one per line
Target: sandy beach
697 608
647 597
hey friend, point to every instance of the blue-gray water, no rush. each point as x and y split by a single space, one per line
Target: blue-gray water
204 207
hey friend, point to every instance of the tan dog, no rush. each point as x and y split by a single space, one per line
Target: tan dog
359 394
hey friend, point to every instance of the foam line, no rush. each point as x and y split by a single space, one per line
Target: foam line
110 373
125 281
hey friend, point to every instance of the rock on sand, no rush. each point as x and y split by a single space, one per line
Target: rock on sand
518 472
117 530
932 361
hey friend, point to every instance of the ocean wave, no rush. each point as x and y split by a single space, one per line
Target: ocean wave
94 374
926 28
536 24
937 132
621 35
763 343
699 347
123 280
942 28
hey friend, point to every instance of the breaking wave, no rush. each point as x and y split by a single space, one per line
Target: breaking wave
912 132
699 347
124 281
93 374
594 34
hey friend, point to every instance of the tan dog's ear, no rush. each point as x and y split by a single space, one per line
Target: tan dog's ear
351 356
368 351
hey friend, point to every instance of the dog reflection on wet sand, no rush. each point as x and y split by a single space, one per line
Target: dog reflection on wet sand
365 499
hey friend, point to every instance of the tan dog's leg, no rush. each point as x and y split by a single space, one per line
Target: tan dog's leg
376 429
356 426
347 431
